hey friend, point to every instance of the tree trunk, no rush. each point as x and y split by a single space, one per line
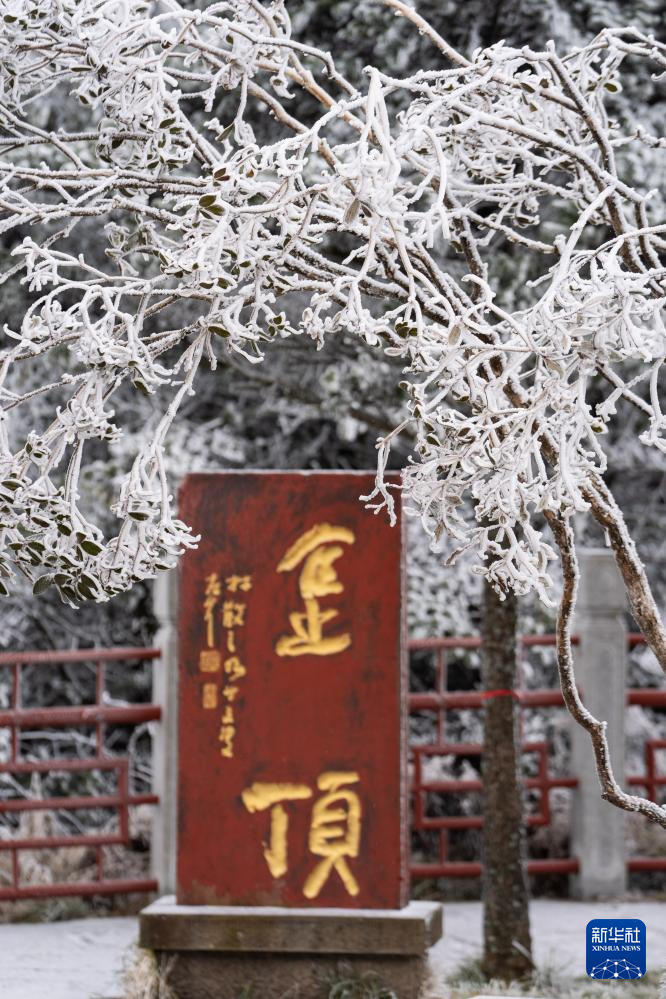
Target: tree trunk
506 927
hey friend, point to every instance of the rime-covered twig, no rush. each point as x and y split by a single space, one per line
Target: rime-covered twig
374 210
610 789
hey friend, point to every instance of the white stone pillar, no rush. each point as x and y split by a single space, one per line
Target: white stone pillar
601 667
165 738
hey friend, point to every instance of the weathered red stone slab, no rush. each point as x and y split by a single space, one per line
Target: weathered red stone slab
291 730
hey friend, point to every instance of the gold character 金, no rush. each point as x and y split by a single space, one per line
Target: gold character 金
261 796
317 550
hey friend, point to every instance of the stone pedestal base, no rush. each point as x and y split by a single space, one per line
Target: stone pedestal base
230 952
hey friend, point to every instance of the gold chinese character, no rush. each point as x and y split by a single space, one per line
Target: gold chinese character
335 826
231 641
235 583
234 668
258 798
226 737
212 596
228 715
335 832
229 693
233 614
210 661
209 699
318 578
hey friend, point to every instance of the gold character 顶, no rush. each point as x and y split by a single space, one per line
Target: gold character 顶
335 827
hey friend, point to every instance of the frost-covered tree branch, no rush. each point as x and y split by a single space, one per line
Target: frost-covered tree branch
610 789
242 190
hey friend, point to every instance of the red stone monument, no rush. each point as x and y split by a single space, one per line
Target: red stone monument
292 853
291 688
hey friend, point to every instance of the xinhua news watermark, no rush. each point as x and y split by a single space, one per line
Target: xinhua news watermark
616 948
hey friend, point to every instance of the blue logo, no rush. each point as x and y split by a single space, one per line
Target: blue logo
616 948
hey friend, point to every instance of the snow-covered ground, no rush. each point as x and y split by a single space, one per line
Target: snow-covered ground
558 932
76 959
83 958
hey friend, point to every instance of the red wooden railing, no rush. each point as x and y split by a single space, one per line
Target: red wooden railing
440 700
435 702
19 718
